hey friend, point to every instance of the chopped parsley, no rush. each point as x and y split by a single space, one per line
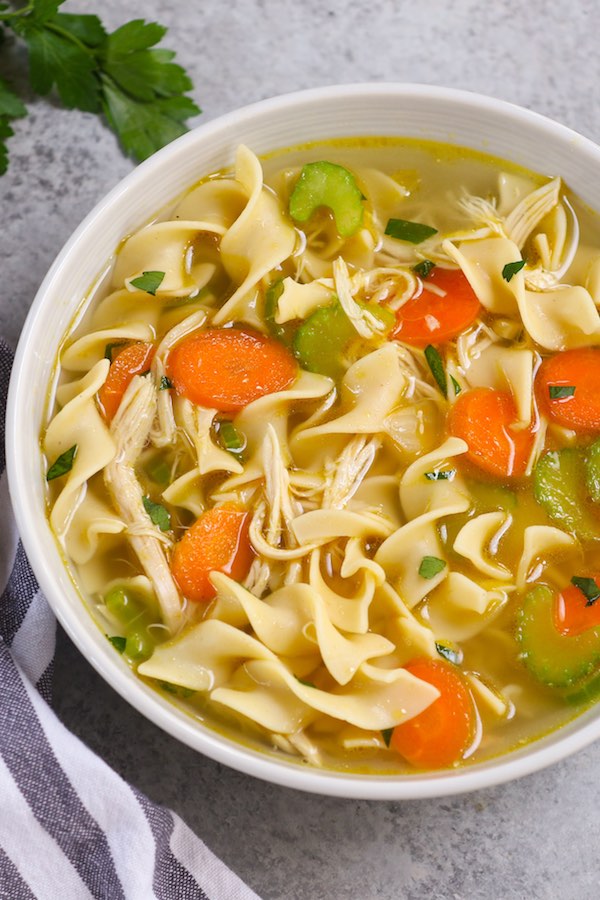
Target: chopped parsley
444 475
452 654
558 391
588 588
413 232
455 385
110 348
512 268
158 514
424 268
63 464
230 438
118 642
165 384
431 566
148 282
386 734
437 368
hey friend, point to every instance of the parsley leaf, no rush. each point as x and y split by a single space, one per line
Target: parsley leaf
55 60
431 566
137 85
148 281
437 368
450 653
386 734
158 514
443 475
10 108
230 438
413 232
424 268
455 385
512 268
558 391
118 642
588 588
63 464
165 383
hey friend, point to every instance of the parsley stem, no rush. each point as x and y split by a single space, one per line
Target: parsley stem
62 32
17 12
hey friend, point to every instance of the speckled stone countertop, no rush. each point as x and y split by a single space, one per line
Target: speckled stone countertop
536 838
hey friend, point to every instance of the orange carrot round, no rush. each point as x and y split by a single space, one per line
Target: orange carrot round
440 735
131 360
218 541
227 368
578 369
428 318
483 417
572 614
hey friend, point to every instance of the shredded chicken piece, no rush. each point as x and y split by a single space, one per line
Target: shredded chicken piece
164 430
472 344
349 470
270 531
552 270
366 324
130 429
390 285
528 214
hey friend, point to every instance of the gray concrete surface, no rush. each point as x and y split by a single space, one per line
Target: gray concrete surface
534 839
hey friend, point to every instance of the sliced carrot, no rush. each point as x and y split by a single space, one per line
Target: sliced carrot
131 360
441 734
226 368
578 369
483 418
572 614
218 541
428 318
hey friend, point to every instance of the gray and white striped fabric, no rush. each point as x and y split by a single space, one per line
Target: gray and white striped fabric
70 827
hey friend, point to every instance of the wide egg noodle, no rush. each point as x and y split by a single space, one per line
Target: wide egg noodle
372 387
163 247
92 519
379 700
459 608
543 545
420 494
86 351
402 554
482 263
506 369
258 241
474 541
298 301
78 424
197 422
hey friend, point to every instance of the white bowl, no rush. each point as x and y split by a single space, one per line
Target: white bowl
418 111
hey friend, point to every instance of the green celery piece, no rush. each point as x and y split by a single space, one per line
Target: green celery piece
559 486
554 659
327 184
592 471
320 341
586 691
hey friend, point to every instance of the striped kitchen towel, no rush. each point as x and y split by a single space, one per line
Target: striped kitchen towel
70 827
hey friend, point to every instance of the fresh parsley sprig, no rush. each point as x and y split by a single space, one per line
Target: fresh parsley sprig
137 86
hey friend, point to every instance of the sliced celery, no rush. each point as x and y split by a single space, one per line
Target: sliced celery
327 184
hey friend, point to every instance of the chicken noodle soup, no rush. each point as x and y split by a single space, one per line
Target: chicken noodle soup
323 454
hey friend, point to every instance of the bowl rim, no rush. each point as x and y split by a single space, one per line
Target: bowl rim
514 764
